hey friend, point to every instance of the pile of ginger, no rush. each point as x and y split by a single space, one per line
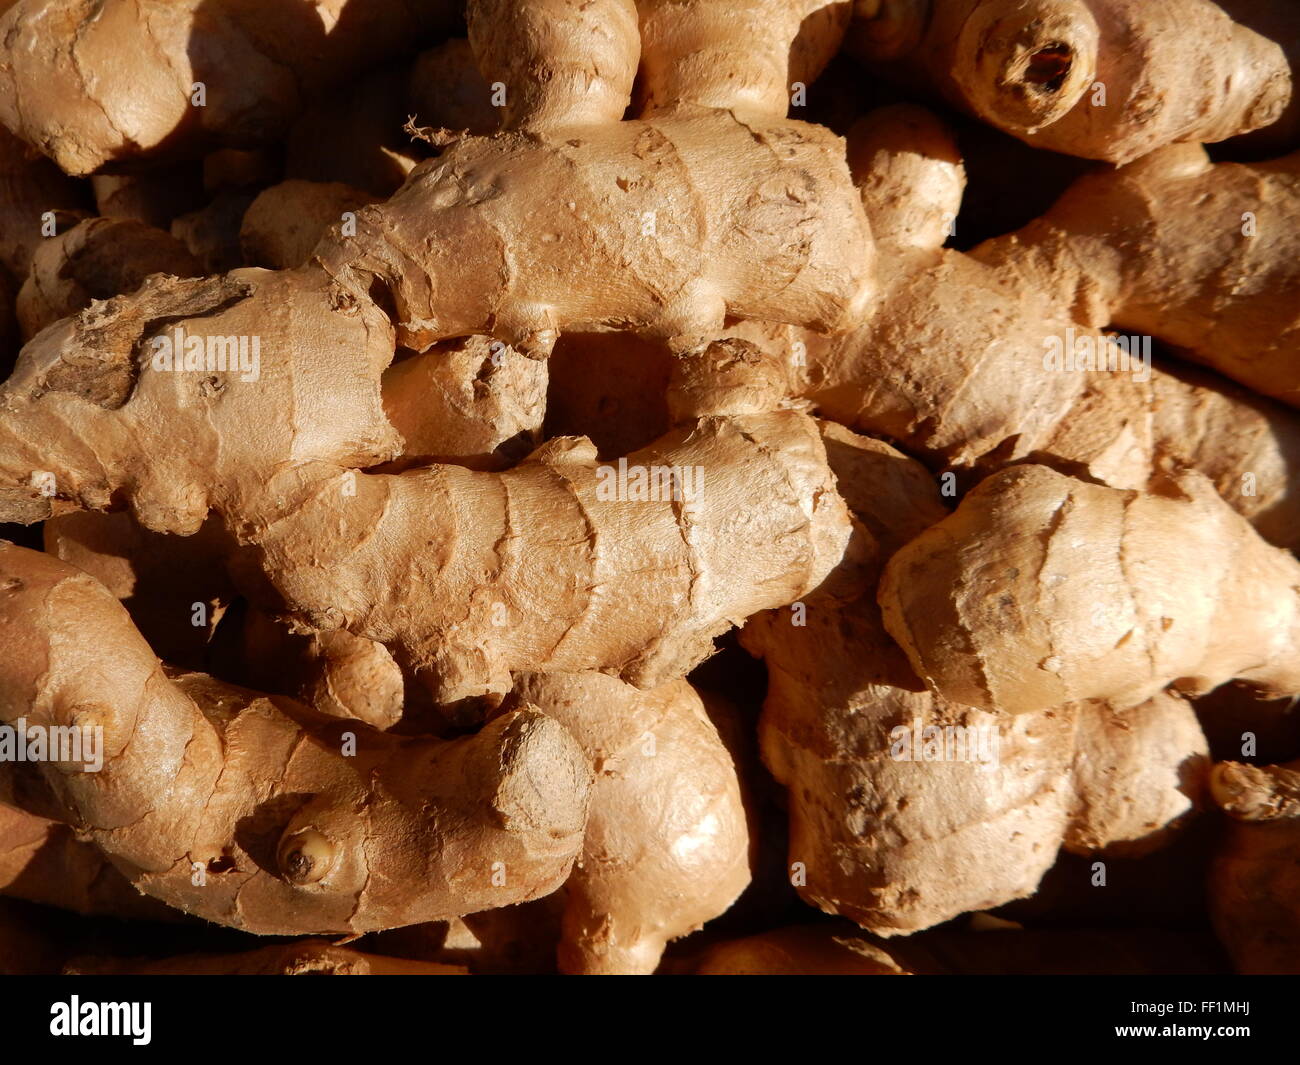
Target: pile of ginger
649 486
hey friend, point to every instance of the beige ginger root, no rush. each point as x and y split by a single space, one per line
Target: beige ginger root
228 73
1199 254
666 847
783 240
286 221
1041 590
82 408
236 811
907 810
96 259
980 391
747 56
475 402
634 577
1104 79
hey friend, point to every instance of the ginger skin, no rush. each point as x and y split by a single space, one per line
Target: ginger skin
1041 590
879 822
96 259
64 90
980 394
667 846
634 587
292 837
1168 70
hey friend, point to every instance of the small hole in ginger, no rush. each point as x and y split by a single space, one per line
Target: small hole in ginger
1049 67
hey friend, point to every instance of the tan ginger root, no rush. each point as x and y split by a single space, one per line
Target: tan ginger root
979 391
286 221
646 585
290 836
474 402
96 259
666 847
906 810
64 89
749 56
627 580
1104 79
1204 256
783 241
562 64
79 411
335 673
1041 590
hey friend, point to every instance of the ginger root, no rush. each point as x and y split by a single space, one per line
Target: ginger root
891 789
95 260
1104 79
237 810
666 847
64 89
1042 590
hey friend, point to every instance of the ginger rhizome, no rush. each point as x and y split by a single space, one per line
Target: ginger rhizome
410 436
224 803
1041 590
65 89
890 787
1013 363
667 846
1104 79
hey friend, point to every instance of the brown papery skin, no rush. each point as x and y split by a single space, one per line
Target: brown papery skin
900 838
96 259
667 847
96 83
554 234
743 55
1041 590
636 587
290 836
1170 70
1253 881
